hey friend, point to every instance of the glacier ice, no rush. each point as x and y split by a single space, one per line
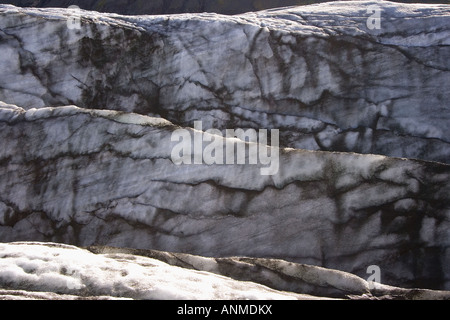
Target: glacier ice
87 116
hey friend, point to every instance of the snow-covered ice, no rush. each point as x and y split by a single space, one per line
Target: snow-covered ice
86 119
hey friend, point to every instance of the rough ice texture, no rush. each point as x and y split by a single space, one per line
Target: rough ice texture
315 72
175 6
67 270
82 177
33 270
87 117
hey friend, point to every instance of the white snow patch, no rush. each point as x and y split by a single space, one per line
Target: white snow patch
68 270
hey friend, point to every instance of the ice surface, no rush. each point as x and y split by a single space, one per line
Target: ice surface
72 271
315 72
85 159
33 270
112 181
